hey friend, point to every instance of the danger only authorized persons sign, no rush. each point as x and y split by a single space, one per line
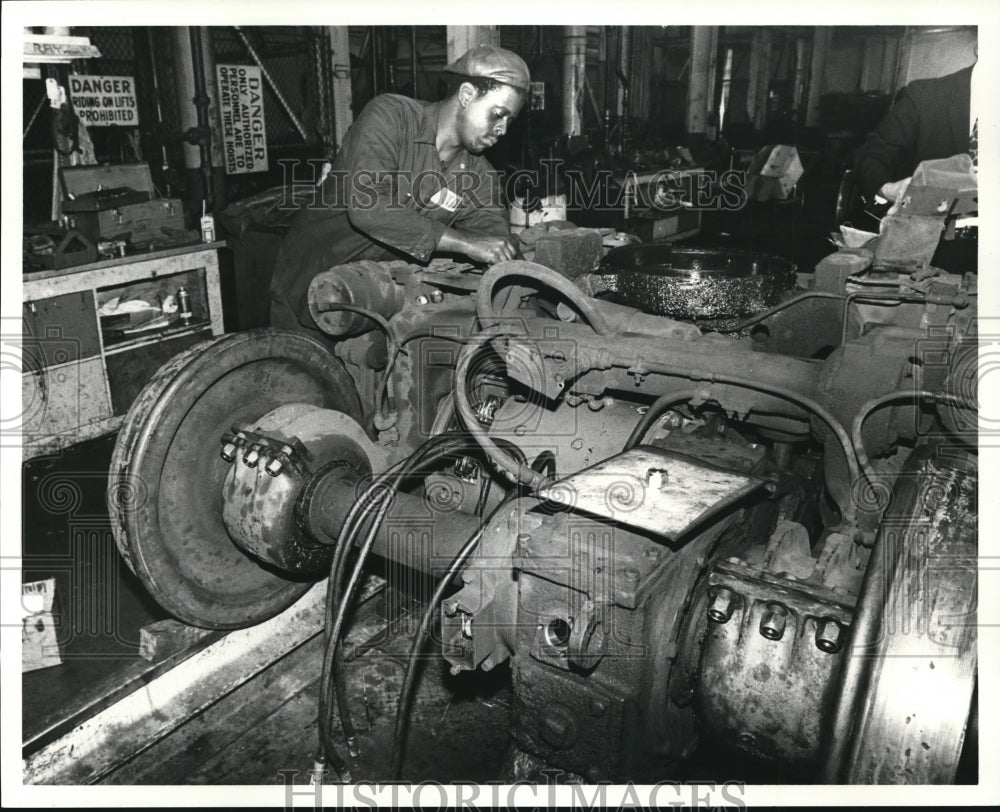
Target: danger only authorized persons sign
241 104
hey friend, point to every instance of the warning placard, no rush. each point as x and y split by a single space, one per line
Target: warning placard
104 101
241 103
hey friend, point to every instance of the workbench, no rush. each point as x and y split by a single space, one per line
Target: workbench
80 375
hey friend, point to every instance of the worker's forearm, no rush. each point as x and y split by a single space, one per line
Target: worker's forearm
487 248
454 241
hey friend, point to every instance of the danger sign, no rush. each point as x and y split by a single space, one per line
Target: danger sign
104 101
241 103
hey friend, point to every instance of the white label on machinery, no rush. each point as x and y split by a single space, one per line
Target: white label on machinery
104 101
241 104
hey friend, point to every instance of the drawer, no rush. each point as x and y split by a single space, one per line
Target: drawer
60 329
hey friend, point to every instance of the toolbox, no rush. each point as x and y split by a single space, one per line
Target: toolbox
119 202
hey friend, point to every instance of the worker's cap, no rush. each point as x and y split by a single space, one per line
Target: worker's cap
495 63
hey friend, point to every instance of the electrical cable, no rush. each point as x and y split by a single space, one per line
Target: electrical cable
333 668
655 411
873 403
794 300
519 472
391 351
362 510
788 394
373 505
538 273
546 458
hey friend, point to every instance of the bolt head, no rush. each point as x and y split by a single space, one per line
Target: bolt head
829 635
251 458
229 452
274 467
772 623
722 605
631 575
558 726
422 300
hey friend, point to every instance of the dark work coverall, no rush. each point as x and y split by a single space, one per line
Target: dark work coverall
929 119
383 200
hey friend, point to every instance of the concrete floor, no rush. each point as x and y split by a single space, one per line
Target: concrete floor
460 726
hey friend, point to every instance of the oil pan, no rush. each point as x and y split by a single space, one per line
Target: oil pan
699 284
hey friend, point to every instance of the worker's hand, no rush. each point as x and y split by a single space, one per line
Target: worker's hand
485 248
492 250
895 190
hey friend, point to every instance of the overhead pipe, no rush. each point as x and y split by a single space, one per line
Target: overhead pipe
574 73
201 105
624 85
197 108
624 59
154 73
376 56
413 60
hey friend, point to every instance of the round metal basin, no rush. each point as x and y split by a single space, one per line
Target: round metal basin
692 283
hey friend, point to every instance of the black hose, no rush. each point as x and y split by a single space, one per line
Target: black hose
546 458
332 671
391 351
518 471
546 276
372 505
332 674
655 411
410 675
794 300
870 405
788 394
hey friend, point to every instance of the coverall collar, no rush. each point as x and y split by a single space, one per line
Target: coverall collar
427 134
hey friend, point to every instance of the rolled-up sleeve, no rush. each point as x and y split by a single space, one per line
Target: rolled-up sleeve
375 168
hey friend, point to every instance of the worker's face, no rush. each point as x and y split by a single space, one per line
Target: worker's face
482 120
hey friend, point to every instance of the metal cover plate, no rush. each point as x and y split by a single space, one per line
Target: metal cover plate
651 489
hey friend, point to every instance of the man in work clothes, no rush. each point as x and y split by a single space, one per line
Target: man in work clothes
409 181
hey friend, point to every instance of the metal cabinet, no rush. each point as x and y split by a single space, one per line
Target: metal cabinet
80 373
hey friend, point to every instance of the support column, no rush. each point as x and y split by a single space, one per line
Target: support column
701 80
340 53
817 71
574 67
798 90
202 182
463 37
760 78
624 57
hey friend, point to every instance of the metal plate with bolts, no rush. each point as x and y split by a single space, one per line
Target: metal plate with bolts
666 493
165 485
